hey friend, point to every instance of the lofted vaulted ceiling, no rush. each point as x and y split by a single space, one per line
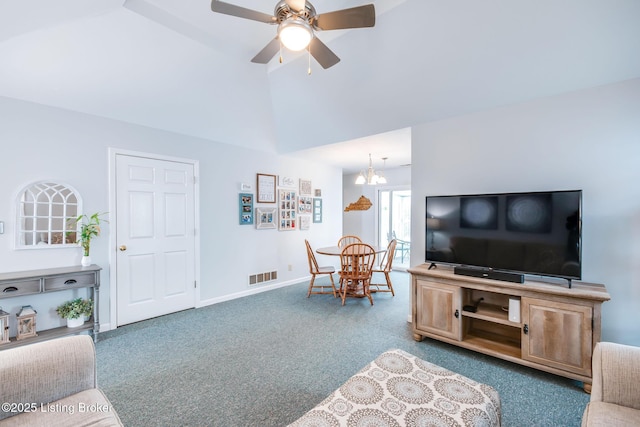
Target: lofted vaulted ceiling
177 66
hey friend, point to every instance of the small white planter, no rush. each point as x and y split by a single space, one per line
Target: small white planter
75 323
85 261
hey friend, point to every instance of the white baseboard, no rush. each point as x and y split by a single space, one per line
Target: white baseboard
252 291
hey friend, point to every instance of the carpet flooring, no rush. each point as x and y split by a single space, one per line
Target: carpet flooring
266 359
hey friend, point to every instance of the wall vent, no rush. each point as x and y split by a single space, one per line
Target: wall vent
256 279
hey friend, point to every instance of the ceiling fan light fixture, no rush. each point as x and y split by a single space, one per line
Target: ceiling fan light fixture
295 33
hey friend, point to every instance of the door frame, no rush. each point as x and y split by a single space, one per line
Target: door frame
377 212
113 243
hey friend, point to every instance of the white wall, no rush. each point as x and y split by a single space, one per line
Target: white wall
587 140
45 143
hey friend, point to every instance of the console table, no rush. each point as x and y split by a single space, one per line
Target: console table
31 282
556 331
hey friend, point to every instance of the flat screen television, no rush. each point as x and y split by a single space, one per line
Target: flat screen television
536 233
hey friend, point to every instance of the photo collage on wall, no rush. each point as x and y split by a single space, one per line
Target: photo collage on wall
246 208
295 208
287 200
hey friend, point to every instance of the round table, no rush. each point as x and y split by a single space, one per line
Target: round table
337 250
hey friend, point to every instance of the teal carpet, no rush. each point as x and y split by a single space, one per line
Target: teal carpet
266 359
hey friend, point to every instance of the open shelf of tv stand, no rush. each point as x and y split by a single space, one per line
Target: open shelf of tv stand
558 328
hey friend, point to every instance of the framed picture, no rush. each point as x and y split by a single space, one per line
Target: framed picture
287 219
304 204
305 222
317 210
286 181
305 187
318 192
245 207
266 188
266 218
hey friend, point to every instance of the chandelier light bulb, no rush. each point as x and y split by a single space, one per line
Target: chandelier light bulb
371 177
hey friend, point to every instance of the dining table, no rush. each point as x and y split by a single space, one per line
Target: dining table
337 250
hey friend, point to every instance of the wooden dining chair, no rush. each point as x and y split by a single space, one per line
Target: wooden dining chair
384 268
316 270
347 240
356 265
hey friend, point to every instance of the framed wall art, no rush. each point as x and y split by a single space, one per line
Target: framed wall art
304 204
245 207
287 210
266 218
305 222
266 188
286 181
305 187
317 210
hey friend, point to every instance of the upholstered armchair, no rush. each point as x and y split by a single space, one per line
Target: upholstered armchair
615 393
53 383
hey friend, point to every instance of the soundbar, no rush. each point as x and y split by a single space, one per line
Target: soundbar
505 276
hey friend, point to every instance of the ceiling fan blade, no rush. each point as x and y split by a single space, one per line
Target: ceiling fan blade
241 12
296 5
267 52
356 17
322 53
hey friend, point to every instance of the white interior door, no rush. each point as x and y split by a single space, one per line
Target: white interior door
155 229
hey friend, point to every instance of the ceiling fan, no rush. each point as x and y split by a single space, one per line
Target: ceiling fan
297 20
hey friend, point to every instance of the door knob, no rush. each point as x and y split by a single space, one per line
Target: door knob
123 248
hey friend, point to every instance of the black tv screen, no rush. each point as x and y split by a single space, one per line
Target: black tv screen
536 233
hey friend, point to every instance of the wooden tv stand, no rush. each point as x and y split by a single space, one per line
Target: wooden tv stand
557 332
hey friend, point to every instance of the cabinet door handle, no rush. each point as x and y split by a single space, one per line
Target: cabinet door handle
10 289
526 329
457 314
70 282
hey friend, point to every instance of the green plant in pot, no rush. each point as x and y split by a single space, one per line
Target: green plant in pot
89 228
75 311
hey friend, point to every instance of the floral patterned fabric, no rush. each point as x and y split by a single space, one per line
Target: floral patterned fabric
399 389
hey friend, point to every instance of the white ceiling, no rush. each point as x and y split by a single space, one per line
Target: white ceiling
177 66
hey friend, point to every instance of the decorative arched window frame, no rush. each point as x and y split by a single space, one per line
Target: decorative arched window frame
43 210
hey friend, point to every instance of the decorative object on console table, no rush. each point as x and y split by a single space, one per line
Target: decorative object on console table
26 322
89 228
245 206
4 327
75 311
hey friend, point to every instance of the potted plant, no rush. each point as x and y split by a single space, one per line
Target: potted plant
89 228
75 311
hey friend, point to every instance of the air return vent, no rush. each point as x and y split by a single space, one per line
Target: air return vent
256 279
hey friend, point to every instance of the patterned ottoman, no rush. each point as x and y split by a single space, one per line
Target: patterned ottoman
399 389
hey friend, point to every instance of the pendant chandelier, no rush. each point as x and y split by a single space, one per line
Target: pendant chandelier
372 177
